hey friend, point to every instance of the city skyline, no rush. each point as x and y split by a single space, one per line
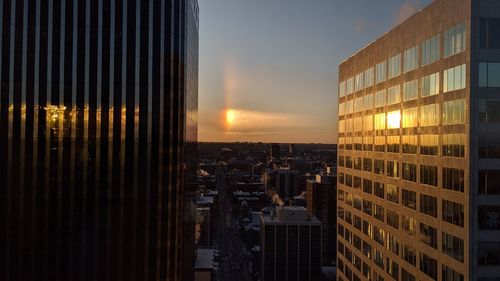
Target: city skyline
266 66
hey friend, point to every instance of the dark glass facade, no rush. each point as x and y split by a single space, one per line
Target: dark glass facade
98 131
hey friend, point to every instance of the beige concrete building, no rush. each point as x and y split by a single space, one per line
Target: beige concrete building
419 149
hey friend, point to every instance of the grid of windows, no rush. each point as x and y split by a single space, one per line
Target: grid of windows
379 124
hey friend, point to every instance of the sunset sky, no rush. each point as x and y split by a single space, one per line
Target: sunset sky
268 68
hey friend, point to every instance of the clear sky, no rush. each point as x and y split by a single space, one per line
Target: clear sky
269 68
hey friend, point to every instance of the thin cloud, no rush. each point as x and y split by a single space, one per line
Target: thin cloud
408 8
248 122
360 25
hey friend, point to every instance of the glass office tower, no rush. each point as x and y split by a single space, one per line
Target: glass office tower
98 102
419 149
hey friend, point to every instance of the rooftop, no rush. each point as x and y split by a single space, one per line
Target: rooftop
295 215
205 258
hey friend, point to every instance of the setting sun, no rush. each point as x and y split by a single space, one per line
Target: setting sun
230 116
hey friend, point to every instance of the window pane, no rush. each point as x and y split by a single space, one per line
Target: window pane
410 90
369 77
380 72
394 66
454 112
430 50
483 74
454 78
455 39
454 145
358 104
409 144
429 115
350 86
410 117
380 121
411 59
429 145
394 95
394 119
489 182
430 85
493 74
380 98
342 89
359 82
368 102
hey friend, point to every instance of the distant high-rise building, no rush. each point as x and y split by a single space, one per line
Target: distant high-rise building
98 119
291 150
283 181
275 150
321 203
419 149
290 245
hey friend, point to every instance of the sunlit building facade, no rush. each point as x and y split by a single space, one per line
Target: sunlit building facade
419 149
98 115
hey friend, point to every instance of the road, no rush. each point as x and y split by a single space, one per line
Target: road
231 248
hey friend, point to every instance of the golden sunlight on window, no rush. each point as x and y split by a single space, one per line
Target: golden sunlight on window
394 119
